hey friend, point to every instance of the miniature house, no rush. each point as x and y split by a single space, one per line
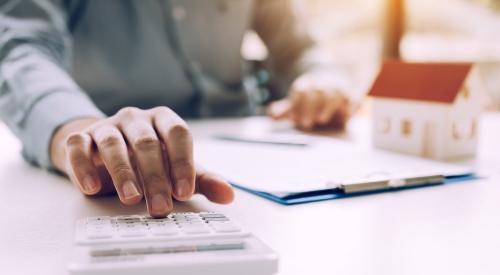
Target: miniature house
427 109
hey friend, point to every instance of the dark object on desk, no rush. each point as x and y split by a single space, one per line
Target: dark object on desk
260 141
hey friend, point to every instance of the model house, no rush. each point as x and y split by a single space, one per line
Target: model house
427 109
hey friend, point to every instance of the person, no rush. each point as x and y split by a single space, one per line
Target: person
98 90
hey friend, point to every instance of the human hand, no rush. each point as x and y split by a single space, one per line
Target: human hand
313 101
136 153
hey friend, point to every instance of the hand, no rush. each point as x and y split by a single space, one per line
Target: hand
135 153
313 101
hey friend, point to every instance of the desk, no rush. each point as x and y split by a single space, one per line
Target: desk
452 229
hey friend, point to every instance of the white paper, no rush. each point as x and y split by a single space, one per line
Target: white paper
324 164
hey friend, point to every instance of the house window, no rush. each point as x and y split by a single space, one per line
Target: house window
406 127
457 131
385 126
464 129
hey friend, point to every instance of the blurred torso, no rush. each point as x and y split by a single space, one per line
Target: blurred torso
122 54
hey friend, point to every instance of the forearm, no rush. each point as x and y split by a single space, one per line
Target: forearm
38 98
287 41
37 93
292 51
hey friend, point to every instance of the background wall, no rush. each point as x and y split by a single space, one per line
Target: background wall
435 30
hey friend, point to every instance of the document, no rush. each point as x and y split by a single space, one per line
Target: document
325 163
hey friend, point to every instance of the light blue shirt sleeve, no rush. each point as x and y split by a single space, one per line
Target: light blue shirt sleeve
37 94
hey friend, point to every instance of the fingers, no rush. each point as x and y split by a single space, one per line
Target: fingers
314 100
305 107
297 108
113 151
213 187
308 109
140 152
280 109
330 107
147 151
178 141
342 114
83 170
312 103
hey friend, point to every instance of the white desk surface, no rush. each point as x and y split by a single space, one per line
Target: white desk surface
451 229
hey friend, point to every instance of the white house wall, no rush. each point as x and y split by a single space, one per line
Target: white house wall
421 115
464 112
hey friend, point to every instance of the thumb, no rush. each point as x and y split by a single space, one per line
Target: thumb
213 187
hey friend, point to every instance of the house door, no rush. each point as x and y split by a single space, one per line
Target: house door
429 140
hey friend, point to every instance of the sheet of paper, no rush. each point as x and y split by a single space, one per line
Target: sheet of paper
324 164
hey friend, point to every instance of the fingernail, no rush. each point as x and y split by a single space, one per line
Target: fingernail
158 204
183 189
129 190
89 184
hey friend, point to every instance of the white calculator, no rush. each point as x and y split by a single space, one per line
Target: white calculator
182 243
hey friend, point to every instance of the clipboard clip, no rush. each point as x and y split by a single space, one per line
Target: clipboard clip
394 183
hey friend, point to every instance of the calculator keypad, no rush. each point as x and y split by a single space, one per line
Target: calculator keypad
174 226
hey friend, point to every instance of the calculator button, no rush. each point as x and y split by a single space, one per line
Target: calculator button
98 219
153 223
188 220
195 229
151 219
129 224
212 215
132 233
99 234
97 228
98 225
185 217
162 225
208 217
164 231
224 227
171 225
192 223
217 219
131 218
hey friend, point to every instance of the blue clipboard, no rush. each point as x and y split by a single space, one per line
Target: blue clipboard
338 193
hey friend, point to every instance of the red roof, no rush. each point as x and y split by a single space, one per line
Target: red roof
436 82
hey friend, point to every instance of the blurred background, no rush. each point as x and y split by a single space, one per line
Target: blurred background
360 33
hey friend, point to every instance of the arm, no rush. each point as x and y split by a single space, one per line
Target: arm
316 88
37 94
287 41
135 152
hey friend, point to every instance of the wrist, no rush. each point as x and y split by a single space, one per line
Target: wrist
58 141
